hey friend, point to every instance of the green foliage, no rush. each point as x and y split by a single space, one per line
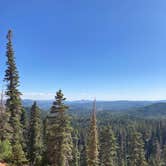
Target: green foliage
35 136
18 156
13 104
137 154
75 151
93 146
59 139
24 123
108 147
5 128
5 151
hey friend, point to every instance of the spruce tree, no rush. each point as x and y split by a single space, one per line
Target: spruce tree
24 123
121 148
4 126
5 151
59 139
76 154
13 105
164 156
82 149
92 144
155 159
137 154
108 147
35 136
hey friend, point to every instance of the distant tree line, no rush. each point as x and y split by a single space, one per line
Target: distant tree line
63 140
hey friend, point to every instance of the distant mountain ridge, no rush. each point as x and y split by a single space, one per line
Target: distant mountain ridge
153 110
87 104
141 109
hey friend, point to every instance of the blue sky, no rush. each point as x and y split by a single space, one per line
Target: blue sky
111 49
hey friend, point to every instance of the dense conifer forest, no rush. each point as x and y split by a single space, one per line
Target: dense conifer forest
31 137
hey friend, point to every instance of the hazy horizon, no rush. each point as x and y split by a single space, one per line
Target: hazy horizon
44 97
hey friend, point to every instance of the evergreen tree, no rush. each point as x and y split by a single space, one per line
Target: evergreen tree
137 153
155 159
35 136
45 156
18 155
82 150
92 146
13 104
108 147
164 156
24 122
76 154
157 152
5 151
4 126
59 139
121 148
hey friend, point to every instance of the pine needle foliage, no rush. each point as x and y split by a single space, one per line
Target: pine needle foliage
13 105
108 147
137 156
59 139
35 136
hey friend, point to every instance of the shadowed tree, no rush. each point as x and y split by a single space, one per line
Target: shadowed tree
35 136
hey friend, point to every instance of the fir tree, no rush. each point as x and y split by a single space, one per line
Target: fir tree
45 156
18 155
76 154
4 126
108 147
121 148
24 123
164 156
137 153
82 149
5 151
155 159
13 104
92 146
35 136
59 139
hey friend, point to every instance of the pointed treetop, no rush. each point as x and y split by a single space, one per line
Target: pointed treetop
94 108
35 103
94 105
9 35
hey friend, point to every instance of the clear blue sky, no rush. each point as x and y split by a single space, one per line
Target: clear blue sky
111 49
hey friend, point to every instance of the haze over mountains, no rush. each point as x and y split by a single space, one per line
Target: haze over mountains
134 108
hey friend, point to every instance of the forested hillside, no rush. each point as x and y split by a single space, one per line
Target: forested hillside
78 134
87 104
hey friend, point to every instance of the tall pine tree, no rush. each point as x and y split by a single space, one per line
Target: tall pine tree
59 138
35 136
13 105
92 145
